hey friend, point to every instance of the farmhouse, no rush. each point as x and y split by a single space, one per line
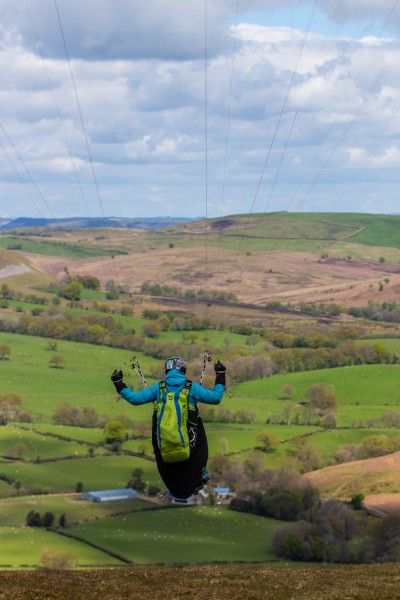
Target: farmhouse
223 495
110 495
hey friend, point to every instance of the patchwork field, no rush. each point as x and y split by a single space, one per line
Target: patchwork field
344 259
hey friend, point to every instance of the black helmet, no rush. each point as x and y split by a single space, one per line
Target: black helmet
175 362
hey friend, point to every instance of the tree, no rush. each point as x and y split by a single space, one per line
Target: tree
33 519
57 361
89 282
164 322
220 464
298 541
223 445
281 504
287 391
5 292
356 501
90 417
112 290
52 345
335 521
73 291
62 521
136 482
267 441
16 451
114 431
386 539
153 490
322 397
5 351
48 519
143 448
96 334
67 414
329 420
191 336
260 367
151 329
378 445
79 487
306 454
50 559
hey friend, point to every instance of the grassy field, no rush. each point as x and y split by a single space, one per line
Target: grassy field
373 230
184 535
54 248
24 546
82 434
38 445
97 473
13 511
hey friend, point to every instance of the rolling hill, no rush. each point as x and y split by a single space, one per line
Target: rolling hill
288 258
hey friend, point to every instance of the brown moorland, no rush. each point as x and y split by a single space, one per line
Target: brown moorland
362 582
281 275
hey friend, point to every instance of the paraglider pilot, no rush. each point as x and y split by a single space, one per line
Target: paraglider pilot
178 435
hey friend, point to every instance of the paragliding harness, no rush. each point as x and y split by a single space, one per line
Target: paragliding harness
175 423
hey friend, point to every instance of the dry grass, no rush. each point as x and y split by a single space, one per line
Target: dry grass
387 504
378 582
344 480
281 275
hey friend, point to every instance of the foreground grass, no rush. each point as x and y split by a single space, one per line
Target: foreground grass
378 582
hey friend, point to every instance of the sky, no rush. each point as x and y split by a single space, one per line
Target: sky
198 109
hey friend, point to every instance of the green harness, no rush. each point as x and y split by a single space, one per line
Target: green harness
176 423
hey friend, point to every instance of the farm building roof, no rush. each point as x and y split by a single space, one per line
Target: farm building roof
110 495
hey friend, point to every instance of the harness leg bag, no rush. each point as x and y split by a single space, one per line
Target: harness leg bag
181 478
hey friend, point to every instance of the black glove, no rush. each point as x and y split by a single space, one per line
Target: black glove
116 378
220 373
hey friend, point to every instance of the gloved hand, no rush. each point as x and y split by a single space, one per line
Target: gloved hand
116 378
220 373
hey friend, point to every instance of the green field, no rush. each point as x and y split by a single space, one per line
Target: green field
23 547
97 473
364 384
376 230
13 511
212 533
82 434
37 445
54 248
184 535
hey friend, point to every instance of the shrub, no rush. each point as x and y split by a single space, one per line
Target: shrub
51 559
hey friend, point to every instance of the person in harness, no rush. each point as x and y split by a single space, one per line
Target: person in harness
178 434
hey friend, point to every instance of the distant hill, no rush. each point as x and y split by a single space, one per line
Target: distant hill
371 476
149 223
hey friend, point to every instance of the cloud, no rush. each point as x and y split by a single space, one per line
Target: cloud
362 10
388 158
142 102
118 29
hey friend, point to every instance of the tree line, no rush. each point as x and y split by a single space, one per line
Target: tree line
244 363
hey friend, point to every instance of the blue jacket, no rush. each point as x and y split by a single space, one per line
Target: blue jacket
175 381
